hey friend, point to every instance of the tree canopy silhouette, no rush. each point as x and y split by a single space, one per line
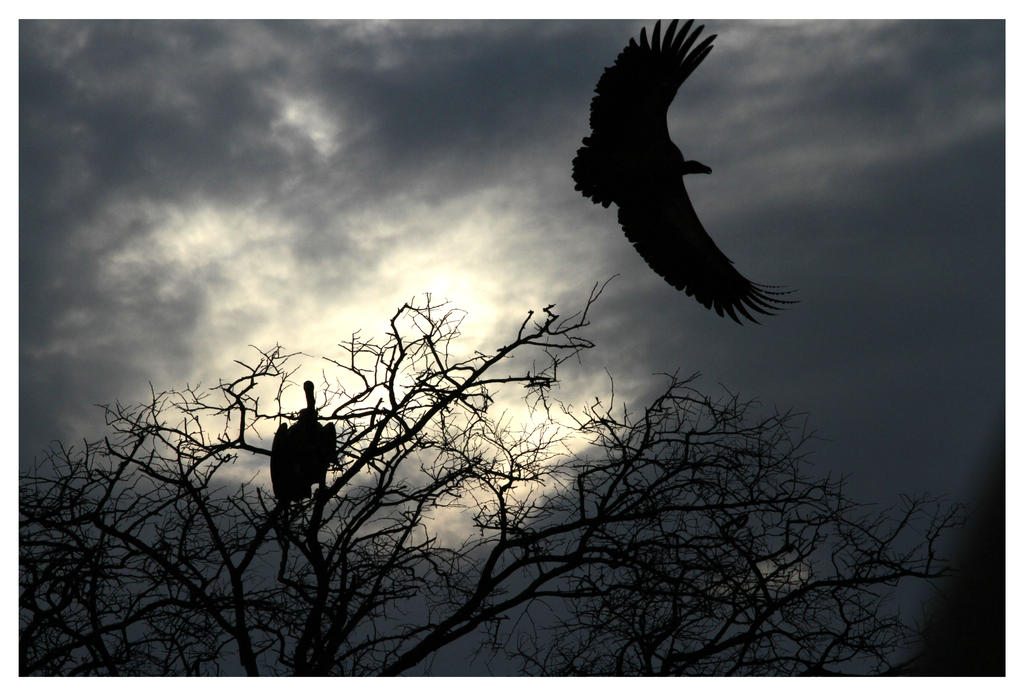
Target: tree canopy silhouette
629 159
687 536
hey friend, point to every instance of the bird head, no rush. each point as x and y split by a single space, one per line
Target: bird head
308 413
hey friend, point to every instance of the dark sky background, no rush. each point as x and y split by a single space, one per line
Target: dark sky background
190 188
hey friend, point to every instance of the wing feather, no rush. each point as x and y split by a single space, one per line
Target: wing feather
670 33
680 37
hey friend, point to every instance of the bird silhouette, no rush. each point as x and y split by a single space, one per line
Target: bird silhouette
302 453
630 160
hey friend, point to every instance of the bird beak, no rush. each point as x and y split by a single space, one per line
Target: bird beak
695 167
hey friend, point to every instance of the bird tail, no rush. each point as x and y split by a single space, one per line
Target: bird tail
593 173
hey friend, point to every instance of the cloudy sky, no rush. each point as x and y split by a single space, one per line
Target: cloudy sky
190 188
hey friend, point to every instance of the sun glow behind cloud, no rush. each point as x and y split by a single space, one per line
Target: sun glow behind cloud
253 288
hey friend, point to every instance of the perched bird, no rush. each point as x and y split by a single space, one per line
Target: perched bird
630 160
302 453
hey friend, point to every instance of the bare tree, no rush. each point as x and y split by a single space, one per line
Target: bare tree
687 538
721 554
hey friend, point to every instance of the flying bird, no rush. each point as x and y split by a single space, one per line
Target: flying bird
302 453
630 160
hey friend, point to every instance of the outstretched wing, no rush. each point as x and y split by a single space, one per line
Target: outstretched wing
630 160
671 239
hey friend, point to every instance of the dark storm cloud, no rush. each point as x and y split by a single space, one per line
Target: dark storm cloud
447 108
93 132
113 111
